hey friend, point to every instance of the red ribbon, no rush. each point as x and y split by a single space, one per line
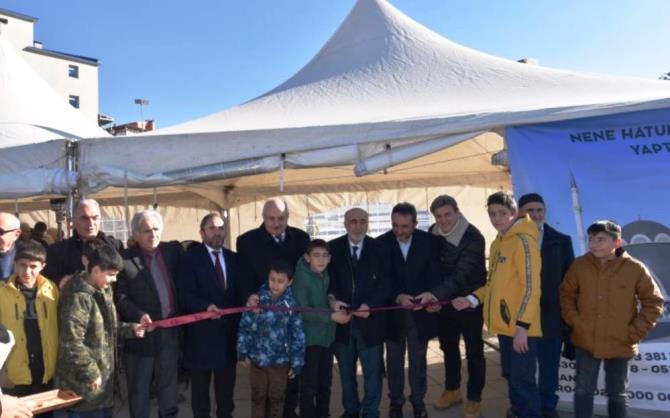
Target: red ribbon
201 316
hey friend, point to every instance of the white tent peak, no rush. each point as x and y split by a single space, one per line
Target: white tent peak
31 111
382 66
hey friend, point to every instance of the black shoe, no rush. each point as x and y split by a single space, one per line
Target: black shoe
550 413
510 413
420 413
345 415
395 412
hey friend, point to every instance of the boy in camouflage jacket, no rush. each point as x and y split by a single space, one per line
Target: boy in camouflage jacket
89 328
273 341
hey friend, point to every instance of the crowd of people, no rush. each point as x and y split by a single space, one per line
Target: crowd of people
66 306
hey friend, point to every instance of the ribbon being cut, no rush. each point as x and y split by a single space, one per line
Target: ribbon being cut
201 316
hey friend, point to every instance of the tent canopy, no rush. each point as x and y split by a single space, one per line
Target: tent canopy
383 90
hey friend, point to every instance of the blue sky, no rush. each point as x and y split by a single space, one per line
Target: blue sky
194 58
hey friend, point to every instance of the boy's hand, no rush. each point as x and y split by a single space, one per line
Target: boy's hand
5 382
64 280
96 384
145 321
254 300
245 362
461 303
138 330
291 375
341 317
214 308
13 407
520 343
363 315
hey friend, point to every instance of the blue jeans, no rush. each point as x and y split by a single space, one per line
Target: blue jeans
616 384
519 370
548 359
371 360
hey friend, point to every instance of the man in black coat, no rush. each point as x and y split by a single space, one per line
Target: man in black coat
208 282
64 257
145 292
359 280
557 255
463 271
414 260
257 249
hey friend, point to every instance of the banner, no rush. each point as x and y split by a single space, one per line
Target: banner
612 167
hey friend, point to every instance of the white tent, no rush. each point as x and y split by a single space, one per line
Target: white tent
35 123
383 90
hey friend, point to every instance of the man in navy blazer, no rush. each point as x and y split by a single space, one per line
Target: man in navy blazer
145 292
359 280
414 260
208 282
557 255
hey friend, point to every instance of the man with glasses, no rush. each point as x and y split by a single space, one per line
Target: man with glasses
9 233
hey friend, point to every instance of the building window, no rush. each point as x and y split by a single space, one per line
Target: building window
73 71
74 101
115 227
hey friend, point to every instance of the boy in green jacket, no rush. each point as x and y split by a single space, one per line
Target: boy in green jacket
310 288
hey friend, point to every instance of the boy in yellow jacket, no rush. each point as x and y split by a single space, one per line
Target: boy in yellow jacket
610 301
29 309
511 301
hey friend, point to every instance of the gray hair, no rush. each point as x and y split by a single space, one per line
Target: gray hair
142 215
86 202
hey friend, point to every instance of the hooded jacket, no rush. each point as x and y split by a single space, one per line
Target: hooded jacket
273 338
12 309
311 290
89 330
599 301
511 296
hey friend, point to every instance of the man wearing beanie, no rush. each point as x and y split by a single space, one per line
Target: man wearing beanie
557 255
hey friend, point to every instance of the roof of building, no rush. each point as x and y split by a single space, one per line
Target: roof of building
17 15
57 54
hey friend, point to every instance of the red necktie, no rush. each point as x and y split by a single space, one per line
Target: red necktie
219 270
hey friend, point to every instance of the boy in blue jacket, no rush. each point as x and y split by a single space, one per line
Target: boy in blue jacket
272 341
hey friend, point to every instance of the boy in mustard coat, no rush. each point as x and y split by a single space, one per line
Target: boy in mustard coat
599 302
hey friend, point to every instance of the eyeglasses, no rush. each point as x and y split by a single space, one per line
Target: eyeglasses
4 231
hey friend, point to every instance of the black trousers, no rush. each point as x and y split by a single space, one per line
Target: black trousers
315 382
224 387
469 324
291 398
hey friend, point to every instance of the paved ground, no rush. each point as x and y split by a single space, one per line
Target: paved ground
494 402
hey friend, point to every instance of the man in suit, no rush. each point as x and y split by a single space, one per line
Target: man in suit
414 259
64 257
359 281
557 255
257 249
9 234
145 292
208 282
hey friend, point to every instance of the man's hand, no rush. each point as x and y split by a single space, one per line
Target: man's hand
461 303
94 386
64 280
426 298
338 305
363 315
520 342
341 316
214 308
405 300
138 330
13 407
145 321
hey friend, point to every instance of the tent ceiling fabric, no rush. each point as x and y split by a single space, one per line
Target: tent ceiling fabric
380 79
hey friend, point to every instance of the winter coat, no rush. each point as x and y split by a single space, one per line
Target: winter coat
12 309
311 290
599 301
88 334
273 338
511 296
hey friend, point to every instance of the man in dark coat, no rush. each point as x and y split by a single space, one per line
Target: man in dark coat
557 255
414 260
145 292
463 271
359 281
64 257
257 249
208 282
9 234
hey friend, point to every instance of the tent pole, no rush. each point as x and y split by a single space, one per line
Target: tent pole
125 201
577 210
71 149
